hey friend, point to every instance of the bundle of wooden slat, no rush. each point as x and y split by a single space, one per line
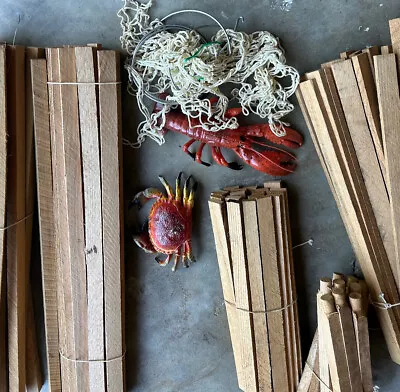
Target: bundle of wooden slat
339 358
253 243
18 345
77 118
352 109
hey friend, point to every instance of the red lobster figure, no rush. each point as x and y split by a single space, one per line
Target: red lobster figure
273 161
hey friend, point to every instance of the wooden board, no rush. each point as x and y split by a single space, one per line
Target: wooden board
389 106
70 154
367 87
308 374
222 246
325 383
254 265
241 283
386 49
394 27
3 198
17 271
371 52
64 308
89 133
112 207
46 221
269 254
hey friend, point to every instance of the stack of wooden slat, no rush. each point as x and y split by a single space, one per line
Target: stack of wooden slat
77 118
253 243
352 108
19 365
339 358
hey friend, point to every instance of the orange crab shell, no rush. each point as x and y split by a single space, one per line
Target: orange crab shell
169 225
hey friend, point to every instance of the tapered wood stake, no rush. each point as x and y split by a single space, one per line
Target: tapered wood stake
112 207
17 271
46 220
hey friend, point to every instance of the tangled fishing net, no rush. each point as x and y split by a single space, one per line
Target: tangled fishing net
192 70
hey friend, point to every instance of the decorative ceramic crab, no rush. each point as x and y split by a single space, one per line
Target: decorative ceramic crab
170 222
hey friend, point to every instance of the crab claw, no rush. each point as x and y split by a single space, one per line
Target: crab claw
292 139
272 162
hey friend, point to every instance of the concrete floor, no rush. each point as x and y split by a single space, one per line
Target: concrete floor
176 328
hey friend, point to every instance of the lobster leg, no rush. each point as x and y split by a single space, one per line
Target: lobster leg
219 158
199 153
185 148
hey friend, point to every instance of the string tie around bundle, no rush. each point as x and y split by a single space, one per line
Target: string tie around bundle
383 304
74 360
17 222
289 305
317 377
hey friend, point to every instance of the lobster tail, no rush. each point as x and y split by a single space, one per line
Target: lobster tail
272 162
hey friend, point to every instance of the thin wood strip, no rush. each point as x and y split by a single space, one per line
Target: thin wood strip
113 238
307 376
46 221
272 286
362 338
34 381
222 247
371 52
64 308
3 198
367 87
389 106
386 49
293 310
350 214
89 134
239 264
17 271
70 154
394 27
286 295
254 265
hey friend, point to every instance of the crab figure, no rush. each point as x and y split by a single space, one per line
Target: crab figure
169 223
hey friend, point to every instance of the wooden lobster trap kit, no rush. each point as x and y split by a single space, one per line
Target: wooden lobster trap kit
254 251
339 359
352 108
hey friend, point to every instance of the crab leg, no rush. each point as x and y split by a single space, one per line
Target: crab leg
176 260
188 251
168 187
143 197
219 158
186 191
178 190
164 262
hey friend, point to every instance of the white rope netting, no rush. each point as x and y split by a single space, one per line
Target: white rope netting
181 64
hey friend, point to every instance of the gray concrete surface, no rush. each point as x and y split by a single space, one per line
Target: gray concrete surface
176 328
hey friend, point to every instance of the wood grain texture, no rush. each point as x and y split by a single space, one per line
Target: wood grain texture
307 375
112 207
17 271
222 246
367 87
394 27
389 106
46 221
239 264
3 198
254 263
91 175
70 154
273 298
64 308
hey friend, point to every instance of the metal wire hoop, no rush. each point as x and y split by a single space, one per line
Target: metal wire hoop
147 93
206 14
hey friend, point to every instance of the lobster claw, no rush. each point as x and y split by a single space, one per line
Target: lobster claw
272 162
292 139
